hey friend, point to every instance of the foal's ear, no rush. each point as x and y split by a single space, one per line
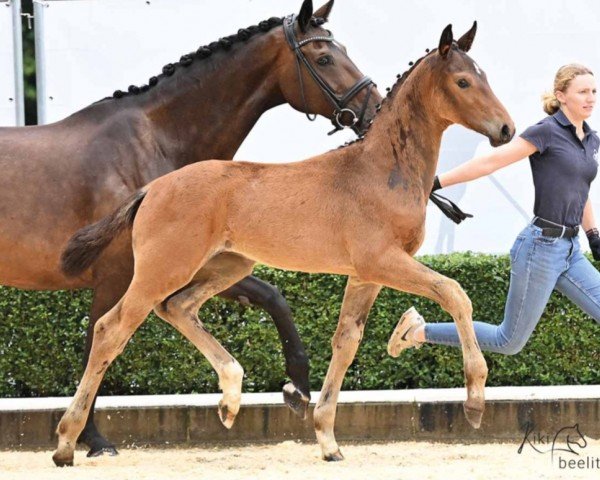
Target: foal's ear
445 41
465 42
324 11
305 14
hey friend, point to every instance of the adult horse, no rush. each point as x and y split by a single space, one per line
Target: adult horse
357 211
60 177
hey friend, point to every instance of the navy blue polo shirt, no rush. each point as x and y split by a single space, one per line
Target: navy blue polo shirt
563 168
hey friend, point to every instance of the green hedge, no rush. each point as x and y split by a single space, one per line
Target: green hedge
42 337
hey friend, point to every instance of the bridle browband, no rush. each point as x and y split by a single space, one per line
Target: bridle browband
340 104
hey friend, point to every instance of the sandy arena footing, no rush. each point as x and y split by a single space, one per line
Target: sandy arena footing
292 460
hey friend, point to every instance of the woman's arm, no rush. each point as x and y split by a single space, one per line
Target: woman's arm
484 165
588 221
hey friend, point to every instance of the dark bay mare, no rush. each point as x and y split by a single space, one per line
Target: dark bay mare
59 177
357 211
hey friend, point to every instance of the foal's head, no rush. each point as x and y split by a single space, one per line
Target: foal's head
462 92
316 76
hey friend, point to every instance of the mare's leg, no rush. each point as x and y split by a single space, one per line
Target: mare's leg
180 310
261 294
358 299
396 269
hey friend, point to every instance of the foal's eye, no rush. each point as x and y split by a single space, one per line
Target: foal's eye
462 83
324 60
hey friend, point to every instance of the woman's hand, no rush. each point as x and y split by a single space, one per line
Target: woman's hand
594 241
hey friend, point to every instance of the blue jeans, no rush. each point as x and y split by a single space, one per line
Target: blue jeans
539 265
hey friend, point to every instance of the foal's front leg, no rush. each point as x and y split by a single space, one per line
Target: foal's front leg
396 269
181 311
358 299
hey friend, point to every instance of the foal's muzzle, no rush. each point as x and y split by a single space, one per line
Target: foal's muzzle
502 135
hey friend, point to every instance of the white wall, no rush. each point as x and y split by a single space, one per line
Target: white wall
8 112
95 47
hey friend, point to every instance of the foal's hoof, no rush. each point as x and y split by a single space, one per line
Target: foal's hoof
296 400
226 416
473 415
334 457
98 452
61 460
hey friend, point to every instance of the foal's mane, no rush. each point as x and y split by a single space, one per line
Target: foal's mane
224 44
400 79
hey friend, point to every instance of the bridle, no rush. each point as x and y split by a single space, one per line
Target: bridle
340 104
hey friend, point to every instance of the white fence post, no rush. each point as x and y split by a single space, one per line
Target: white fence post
11 64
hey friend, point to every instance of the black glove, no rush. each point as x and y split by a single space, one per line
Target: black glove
594 240
448 208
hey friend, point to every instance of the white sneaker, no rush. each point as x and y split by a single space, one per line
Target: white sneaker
402 337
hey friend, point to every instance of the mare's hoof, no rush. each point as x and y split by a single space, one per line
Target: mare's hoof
97 443
98 452
227 418
296 400
473 415
334 457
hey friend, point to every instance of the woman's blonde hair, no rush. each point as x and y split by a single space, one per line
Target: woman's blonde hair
563 78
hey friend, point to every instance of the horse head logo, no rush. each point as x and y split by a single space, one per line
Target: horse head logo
569 440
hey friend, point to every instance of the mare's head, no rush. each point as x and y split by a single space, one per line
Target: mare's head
315 74
461 93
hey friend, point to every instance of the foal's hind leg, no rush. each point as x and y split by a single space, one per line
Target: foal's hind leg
111 334
396 269
108 290
254 290
180 310
358 299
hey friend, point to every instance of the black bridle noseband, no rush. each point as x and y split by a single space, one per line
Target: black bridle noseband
340 104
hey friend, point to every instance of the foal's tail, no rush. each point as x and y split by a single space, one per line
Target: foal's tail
86 245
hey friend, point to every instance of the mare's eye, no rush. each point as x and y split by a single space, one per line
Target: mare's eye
462 83
324 60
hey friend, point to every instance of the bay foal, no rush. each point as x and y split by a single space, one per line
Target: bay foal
356 211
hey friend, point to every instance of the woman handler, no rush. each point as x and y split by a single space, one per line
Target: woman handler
563 153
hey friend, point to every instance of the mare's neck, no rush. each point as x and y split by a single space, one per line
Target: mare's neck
207 109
